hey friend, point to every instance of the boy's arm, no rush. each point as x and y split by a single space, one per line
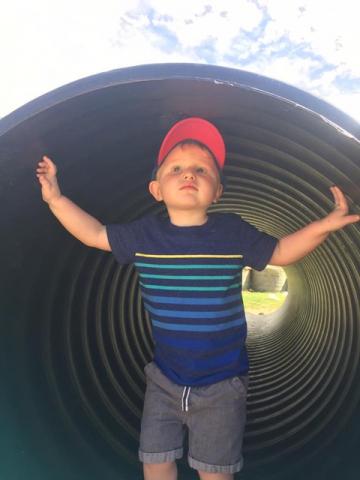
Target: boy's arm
295 246
83 226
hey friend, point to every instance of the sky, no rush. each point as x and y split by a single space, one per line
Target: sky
309 44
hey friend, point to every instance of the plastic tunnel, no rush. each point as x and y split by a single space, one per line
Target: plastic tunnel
74 335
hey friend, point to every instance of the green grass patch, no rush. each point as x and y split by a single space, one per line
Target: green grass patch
263 303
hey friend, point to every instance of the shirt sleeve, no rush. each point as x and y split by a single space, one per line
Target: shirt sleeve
257 246
123 241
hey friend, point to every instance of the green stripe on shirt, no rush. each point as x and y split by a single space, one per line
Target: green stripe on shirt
193 289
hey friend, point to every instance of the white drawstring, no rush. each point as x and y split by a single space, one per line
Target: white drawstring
185 399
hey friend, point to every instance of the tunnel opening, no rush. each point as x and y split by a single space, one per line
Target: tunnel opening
75 336
263 292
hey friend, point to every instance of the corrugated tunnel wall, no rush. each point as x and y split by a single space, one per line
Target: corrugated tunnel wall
74 336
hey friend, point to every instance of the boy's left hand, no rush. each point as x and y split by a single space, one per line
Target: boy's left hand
295 246
339 217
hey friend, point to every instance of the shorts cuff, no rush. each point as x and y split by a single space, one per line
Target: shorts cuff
207 467
160 457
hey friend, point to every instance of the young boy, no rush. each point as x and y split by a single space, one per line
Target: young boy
190 275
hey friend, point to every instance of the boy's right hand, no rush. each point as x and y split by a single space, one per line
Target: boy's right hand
46 173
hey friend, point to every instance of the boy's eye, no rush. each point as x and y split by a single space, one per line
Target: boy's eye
176 169
200 170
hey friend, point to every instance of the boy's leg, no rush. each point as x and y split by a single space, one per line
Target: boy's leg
215 476
162 429
216 420
160 471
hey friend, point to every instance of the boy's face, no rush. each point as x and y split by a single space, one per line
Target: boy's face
188 179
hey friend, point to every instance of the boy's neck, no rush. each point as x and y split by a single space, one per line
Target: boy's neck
187 218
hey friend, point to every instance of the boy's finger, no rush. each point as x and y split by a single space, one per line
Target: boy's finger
335 195
47 160
339 198
352 219
334 192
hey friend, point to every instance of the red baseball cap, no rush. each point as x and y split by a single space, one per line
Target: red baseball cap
194 128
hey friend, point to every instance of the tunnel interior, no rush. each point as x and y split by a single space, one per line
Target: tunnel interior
74 333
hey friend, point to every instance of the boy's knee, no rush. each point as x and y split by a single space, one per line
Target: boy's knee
160 471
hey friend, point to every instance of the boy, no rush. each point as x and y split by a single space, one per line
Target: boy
189 267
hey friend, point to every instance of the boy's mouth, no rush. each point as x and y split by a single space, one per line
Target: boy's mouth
188 185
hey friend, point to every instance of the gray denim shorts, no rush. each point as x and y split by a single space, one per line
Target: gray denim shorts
214 416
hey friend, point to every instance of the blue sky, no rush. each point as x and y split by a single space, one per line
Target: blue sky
310 44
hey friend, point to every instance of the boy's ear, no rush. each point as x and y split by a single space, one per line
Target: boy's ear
219 192
154 189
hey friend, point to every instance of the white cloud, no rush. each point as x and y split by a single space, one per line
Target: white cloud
47 44
206 28
331 29
304 43
327 36
222 21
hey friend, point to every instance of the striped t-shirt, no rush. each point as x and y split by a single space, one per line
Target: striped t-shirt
190 279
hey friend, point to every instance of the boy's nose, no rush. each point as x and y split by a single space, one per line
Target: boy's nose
189 174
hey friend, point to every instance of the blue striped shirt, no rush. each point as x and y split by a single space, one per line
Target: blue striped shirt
190 279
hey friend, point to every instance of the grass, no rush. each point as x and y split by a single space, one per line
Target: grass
263 303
